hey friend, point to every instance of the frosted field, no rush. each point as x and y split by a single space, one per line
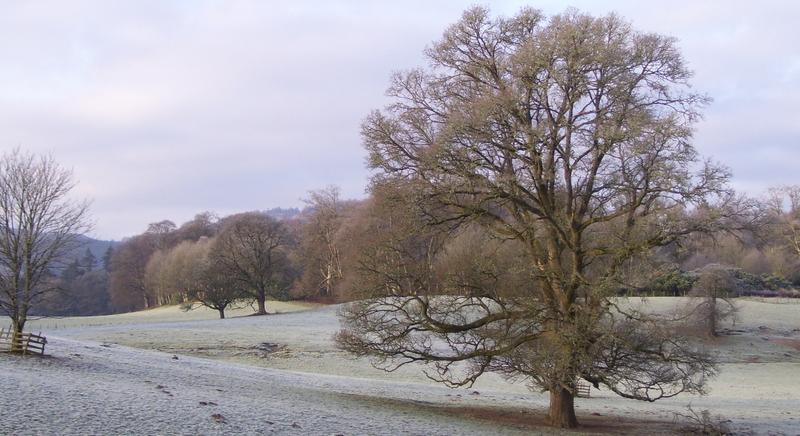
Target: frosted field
150 373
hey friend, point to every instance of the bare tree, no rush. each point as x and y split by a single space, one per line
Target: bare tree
712 301
250 250
321 254
163 233
186 273
39 225
784 205
570 137
203 224
127 285
213 289
165 275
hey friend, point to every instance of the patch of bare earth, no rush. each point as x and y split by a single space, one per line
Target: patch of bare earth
786 342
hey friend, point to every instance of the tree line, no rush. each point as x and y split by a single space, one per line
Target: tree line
245 257
326 253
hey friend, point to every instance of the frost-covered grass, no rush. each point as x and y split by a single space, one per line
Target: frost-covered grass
774 313
285 368
163 314
87 388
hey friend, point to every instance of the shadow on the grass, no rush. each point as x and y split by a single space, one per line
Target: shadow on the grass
533 420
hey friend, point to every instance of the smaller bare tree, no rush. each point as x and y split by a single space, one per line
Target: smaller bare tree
205 282
250 252
127 282
784 205
712 302
156 277
39 225
320 242
214 292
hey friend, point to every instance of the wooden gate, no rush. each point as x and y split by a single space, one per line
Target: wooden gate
25 343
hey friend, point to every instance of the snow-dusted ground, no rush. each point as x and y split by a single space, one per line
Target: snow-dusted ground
281 373
87 388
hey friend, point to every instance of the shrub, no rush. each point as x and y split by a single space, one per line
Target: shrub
703 422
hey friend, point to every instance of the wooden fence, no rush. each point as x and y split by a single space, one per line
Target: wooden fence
582 389
25 343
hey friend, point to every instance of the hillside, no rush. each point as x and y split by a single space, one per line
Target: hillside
97 247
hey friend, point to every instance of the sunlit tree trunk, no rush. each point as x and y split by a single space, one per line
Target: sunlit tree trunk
562 408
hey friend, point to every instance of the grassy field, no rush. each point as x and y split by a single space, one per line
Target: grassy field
758 388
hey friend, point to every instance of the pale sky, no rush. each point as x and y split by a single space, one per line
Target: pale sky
167 108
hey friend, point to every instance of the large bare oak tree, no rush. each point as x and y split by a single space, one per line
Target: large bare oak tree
39 225
570 138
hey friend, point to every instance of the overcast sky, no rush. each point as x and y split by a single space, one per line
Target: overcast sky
167 108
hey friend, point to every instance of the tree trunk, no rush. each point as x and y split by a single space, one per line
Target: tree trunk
18 324
262 307
221 313
562 408
712 317
328 280
16 331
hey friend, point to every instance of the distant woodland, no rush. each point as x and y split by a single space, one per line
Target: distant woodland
326 250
